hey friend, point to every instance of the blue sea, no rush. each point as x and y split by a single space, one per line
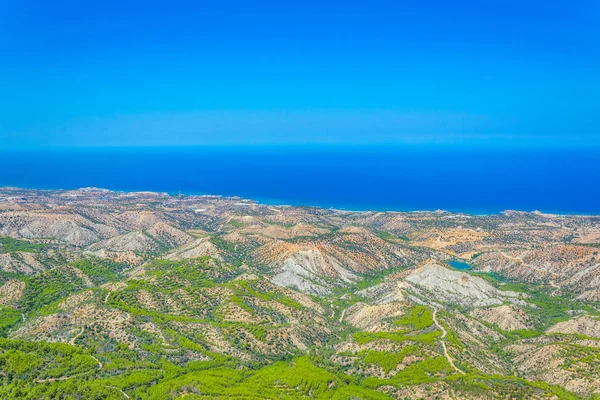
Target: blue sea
399 178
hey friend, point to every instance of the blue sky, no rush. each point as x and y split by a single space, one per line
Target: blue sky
133 73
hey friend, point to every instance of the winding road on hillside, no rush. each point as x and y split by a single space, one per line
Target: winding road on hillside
342 317
444 333
64 378
72 341
120 390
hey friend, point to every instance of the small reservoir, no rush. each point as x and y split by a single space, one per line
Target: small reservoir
459 265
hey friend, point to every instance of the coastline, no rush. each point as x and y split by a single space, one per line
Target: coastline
281 203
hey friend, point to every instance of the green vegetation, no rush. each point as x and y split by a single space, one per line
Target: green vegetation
41 361
371 278
386 236
30 371
248 290
285 225
8 318
390 237
388 361
50 286
418 317
282 380
523 334
183 336
398 337
299 303
11 245
548 309
222 244
426 371
235 224
57 371
99 271
511 386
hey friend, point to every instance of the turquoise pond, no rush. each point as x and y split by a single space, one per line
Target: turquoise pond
459 265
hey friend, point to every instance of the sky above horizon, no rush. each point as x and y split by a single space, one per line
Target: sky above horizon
179 73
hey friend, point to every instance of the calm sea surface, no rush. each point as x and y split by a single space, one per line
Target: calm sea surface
475 181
